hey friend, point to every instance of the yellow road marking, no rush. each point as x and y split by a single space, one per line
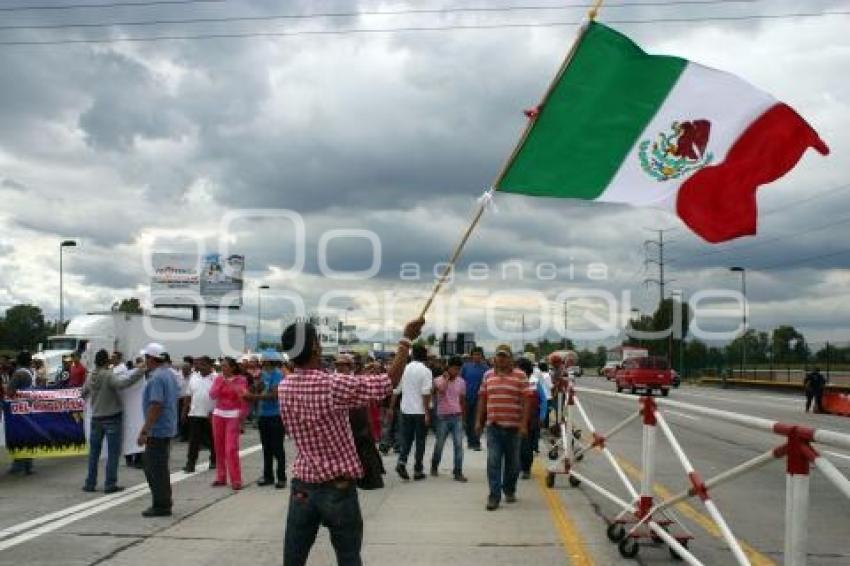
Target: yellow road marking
704 521
573 543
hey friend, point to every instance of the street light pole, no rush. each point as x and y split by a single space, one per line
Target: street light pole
743 273
259 312
63 244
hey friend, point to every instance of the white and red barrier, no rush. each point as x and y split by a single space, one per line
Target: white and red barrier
643 516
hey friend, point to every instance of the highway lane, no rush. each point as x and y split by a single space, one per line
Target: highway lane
752 505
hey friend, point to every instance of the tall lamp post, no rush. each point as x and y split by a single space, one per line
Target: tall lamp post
259 312
743 273
63 244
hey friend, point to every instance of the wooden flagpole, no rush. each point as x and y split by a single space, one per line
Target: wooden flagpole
532 115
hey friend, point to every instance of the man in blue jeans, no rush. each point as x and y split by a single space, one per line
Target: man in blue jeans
101 388
451 406
502 406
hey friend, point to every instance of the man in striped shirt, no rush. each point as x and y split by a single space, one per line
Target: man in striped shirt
315 406
503 407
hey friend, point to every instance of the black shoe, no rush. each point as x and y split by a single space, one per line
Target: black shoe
460 477
212 465
280 484
154 512
492 504
264 482
402 472
434 472
526 475
113 489
510 498
419 476
189 469
89 489
476 448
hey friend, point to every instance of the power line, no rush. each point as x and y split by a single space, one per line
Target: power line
317 15
355 31
66 7
773 239
786 263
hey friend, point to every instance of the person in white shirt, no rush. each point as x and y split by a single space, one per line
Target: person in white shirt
197 413
415 388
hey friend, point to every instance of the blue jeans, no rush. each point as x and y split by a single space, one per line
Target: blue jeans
445 425
502 460
110 427
337 508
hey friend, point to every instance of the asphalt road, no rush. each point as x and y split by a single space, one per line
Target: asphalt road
752 505
46 519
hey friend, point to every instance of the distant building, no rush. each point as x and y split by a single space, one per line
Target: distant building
456 344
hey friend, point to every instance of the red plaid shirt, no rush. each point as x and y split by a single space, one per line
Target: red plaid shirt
314 406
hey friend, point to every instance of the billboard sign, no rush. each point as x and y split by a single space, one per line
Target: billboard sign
210 280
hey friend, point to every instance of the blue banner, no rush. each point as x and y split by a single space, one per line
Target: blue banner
45 424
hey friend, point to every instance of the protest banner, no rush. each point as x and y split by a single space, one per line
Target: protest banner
45 424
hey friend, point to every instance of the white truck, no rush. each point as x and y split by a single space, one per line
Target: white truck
128 334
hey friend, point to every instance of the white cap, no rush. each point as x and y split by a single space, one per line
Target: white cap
153 350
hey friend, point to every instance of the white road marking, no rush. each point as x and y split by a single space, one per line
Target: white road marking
837 454
58 519
683 415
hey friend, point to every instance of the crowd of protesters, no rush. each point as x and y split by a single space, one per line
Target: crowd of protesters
341 414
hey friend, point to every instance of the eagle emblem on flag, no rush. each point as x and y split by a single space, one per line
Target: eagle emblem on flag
677 152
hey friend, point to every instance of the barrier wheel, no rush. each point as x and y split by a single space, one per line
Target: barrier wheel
550 480
574 481
628 548
577 434
553 454
580 457
675 555
616 532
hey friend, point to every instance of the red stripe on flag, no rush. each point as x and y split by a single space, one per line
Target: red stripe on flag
719 201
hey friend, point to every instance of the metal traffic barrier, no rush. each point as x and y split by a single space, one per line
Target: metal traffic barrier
643 516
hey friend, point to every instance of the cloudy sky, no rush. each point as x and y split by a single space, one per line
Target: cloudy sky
128 146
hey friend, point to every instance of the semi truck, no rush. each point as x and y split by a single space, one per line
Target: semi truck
128 333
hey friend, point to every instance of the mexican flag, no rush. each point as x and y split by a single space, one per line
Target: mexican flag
620 125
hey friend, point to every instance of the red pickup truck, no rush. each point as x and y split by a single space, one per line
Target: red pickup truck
648 373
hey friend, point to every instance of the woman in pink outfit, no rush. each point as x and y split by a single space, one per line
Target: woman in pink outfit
227 391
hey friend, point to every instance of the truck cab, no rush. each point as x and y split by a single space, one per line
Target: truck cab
649 374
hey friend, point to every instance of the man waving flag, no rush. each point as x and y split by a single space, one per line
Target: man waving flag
621 125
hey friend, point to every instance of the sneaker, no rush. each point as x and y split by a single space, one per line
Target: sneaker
510 498
113 489
526 475
89 489
402 472
460 477
492 504
264 482
154 512
434 472
417 476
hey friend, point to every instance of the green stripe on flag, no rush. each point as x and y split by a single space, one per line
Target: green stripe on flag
592 118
